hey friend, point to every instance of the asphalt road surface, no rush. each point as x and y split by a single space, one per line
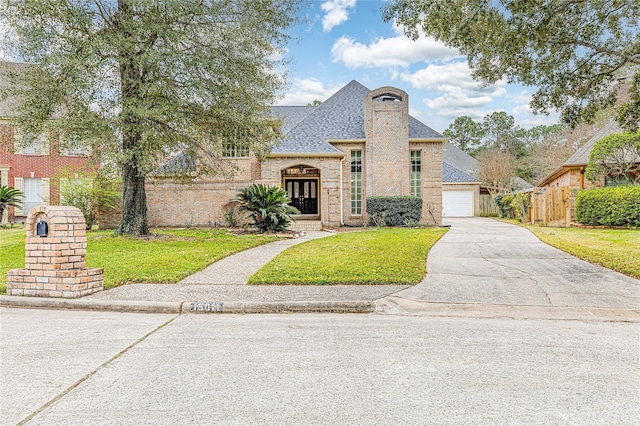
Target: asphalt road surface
63 367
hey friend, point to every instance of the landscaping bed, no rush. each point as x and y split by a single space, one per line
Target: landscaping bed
166 257
369 256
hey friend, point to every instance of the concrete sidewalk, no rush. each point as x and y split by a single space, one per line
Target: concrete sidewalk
480 268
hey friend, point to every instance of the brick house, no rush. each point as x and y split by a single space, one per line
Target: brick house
356 144
33 166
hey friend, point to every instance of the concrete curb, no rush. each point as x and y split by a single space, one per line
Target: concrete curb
188 307
91 305
393 305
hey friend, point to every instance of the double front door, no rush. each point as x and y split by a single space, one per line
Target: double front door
303 194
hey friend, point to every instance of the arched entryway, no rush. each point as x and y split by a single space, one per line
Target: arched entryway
302 183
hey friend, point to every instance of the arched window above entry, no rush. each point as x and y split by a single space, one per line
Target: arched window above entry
388 97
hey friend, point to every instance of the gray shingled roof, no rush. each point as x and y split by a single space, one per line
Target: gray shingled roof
581 156
459 159
291 115
180 164
417 129
452 174
339 117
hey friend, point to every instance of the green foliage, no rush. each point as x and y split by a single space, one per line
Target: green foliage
504 206
395 210
611 206
520 205
465 133
572 50
629 113
615 156
89 194
166 257
9 197
267 206
380 256
138 79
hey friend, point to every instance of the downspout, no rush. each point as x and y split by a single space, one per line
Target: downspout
340 191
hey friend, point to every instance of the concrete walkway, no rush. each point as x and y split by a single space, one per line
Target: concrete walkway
226 281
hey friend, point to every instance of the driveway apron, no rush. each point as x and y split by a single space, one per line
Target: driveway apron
486 261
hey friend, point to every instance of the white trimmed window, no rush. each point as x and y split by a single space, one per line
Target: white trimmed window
30 145
416 173
239 147
32 189
356 182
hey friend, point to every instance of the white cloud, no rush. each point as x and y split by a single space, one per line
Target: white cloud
337 12
458 93
522 109
397 51
414 112
307 90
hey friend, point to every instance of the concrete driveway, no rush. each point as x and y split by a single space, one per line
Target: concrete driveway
485 261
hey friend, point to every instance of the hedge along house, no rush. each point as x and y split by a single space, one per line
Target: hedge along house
358 143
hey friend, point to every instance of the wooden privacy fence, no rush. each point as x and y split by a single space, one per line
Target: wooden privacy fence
488 206
551 206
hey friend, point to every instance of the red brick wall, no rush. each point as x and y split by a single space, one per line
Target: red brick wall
42 166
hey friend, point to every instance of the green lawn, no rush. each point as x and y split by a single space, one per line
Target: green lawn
174 255
617 249
378 256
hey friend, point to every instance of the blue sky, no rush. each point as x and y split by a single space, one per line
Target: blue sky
344 40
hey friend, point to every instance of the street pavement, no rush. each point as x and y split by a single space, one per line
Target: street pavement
105 368
502 330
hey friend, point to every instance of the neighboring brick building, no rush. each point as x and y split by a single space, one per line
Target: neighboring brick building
356 144
34 166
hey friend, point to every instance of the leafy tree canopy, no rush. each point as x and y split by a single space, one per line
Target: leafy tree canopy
616 157
572 50
142 79
465 133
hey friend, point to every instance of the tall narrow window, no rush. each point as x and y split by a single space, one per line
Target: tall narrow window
416 173
356 182
32 190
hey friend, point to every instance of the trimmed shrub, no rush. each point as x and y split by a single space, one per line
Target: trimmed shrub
609 206
267 206
394 211
504 206
520 205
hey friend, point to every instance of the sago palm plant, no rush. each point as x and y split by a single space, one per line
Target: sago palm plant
268 207
9 197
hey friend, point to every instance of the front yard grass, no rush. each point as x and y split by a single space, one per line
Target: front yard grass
617 249
167 258
378 256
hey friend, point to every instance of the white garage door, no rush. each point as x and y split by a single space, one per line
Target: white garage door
457 203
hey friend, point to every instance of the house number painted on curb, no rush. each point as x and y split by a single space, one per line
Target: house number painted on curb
205 307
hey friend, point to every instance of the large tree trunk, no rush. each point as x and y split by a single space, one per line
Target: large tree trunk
134 198
134 203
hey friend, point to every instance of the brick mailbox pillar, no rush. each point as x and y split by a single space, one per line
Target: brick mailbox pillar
55 263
